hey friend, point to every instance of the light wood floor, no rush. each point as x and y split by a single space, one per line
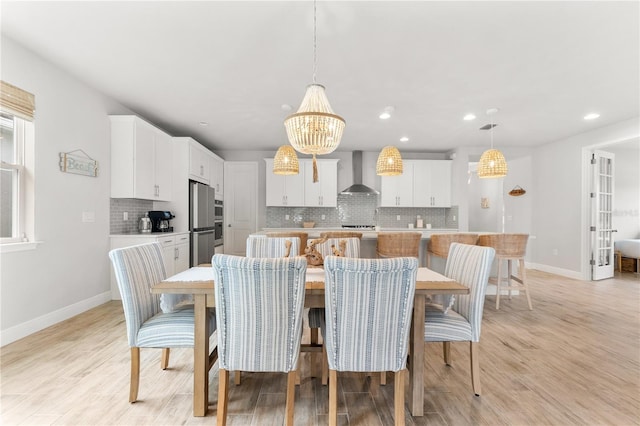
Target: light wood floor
575 359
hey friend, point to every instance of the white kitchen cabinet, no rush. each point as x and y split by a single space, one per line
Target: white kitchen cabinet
140 160
423 183
175 252
283 190
397 191
216 180
199 162
437 193
323 193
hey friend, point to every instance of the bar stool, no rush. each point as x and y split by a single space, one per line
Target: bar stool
438 244
509 247
302 235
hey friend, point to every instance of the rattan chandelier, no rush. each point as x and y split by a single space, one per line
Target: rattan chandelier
492 163
389 162
314 129
286 161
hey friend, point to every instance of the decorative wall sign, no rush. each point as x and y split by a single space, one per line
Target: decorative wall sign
78 164
484 203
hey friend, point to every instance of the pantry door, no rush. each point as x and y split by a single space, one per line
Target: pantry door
240 205
602 202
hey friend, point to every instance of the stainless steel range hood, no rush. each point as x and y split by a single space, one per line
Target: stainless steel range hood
358 188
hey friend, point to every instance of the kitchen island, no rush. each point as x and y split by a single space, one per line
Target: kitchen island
369 238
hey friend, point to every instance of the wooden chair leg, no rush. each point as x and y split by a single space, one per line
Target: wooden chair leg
498 283
223 396
236 378
135 374
314 336
523 277
164 361
475 367
398 397
428 256
446 352
325 365
291 395
383 378
333 398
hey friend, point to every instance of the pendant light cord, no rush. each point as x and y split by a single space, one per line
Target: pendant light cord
492 131
315 60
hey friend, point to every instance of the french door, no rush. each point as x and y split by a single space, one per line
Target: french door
602 201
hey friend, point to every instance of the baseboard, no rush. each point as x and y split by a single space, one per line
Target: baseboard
554 270
29 327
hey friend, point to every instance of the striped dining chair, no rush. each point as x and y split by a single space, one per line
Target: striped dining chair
259 305
368 306
137 268
352 249
272 246
462 319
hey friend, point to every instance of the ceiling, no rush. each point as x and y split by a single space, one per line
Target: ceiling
233 65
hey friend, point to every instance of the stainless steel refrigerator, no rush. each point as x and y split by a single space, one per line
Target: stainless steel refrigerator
202 222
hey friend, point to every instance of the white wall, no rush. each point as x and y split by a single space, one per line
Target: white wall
559 212
69 271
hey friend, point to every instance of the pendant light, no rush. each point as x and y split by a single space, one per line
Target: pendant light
314 129
492 163
389 162
286 161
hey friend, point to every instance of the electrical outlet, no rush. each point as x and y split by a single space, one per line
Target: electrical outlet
125 216
454 218
323 217
398 217
554 252
419 216
286 217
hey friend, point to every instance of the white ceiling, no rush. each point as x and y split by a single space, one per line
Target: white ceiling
233 64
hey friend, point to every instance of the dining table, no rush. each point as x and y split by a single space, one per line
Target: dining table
197 283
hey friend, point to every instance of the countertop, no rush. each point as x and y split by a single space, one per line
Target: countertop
148 234
366 233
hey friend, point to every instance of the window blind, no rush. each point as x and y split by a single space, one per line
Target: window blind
17 101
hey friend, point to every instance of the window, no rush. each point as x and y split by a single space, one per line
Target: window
16 164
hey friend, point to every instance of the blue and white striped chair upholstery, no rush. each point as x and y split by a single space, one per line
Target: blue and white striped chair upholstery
272 246
468 265
352 249
259 303
137 268
368 306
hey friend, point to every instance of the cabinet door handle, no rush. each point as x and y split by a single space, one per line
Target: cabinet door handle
201 170
175 253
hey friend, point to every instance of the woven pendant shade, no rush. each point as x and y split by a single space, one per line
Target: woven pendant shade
492 164
286 161
389 162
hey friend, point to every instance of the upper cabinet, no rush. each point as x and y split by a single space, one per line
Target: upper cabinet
141 162
283 190
199 162
216 179
423 183
300 190
323 193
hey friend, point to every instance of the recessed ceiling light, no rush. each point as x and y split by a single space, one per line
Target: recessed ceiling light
469 117
404 139
386 112
286 107
203 123
591 116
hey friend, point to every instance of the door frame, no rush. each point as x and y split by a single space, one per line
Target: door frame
585 250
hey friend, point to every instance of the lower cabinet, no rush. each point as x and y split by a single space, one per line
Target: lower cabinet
175 248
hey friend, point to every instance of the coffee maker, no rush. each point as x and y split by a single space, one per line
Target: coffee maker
161 220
